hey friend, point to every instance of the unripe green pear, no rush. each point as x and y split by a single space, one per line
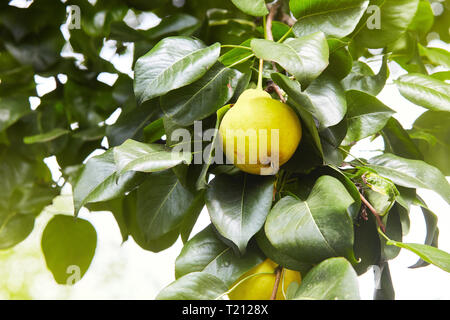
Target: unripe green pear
260 287
263 132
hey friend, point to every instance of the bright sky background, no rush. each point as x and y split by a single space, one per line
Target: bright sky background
125 271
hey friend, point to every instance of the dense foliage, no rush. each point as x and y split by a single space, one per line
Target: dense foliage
328 218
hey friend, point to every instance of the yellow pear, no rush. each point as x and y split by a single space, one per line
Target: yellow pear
260 287
261 133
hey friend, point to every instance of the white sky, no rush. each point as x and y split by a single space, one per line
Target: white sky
125 271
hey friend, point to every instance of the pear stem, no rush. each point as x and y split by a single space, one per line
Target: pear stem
260 74
278 272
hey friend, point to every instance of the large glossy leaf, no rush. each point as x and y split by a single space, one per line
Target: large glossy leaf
315 229
332 279
366 115
324 99
334 18
362 78
278 256
411 173
425 91
68 245
395 17
304 57
162 202
206 252
137 156
173 63
202 98
98 181
238 205
194 286
255 8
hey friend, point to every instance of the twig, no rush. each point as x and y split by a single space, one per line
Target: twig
273 87
270 17
288 19
375 213
278 271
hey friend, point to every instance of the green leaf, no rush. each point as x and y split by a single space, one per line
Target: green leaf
439 258
431 239
131 123
366 115
437 56
238 205
398 141
353 209
324 99
162 202
12 108
334 18
202 182
46 137
192 215
14 229
411 173
194 286
315 229
424 18
395 17
137 156
432 136
98 181
425 91
207 253
341 60
278 256
202 98
332 279
178 23
237 55
393 224
68 245
367 245
136 230
362 78
255 8
304 57
173 63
